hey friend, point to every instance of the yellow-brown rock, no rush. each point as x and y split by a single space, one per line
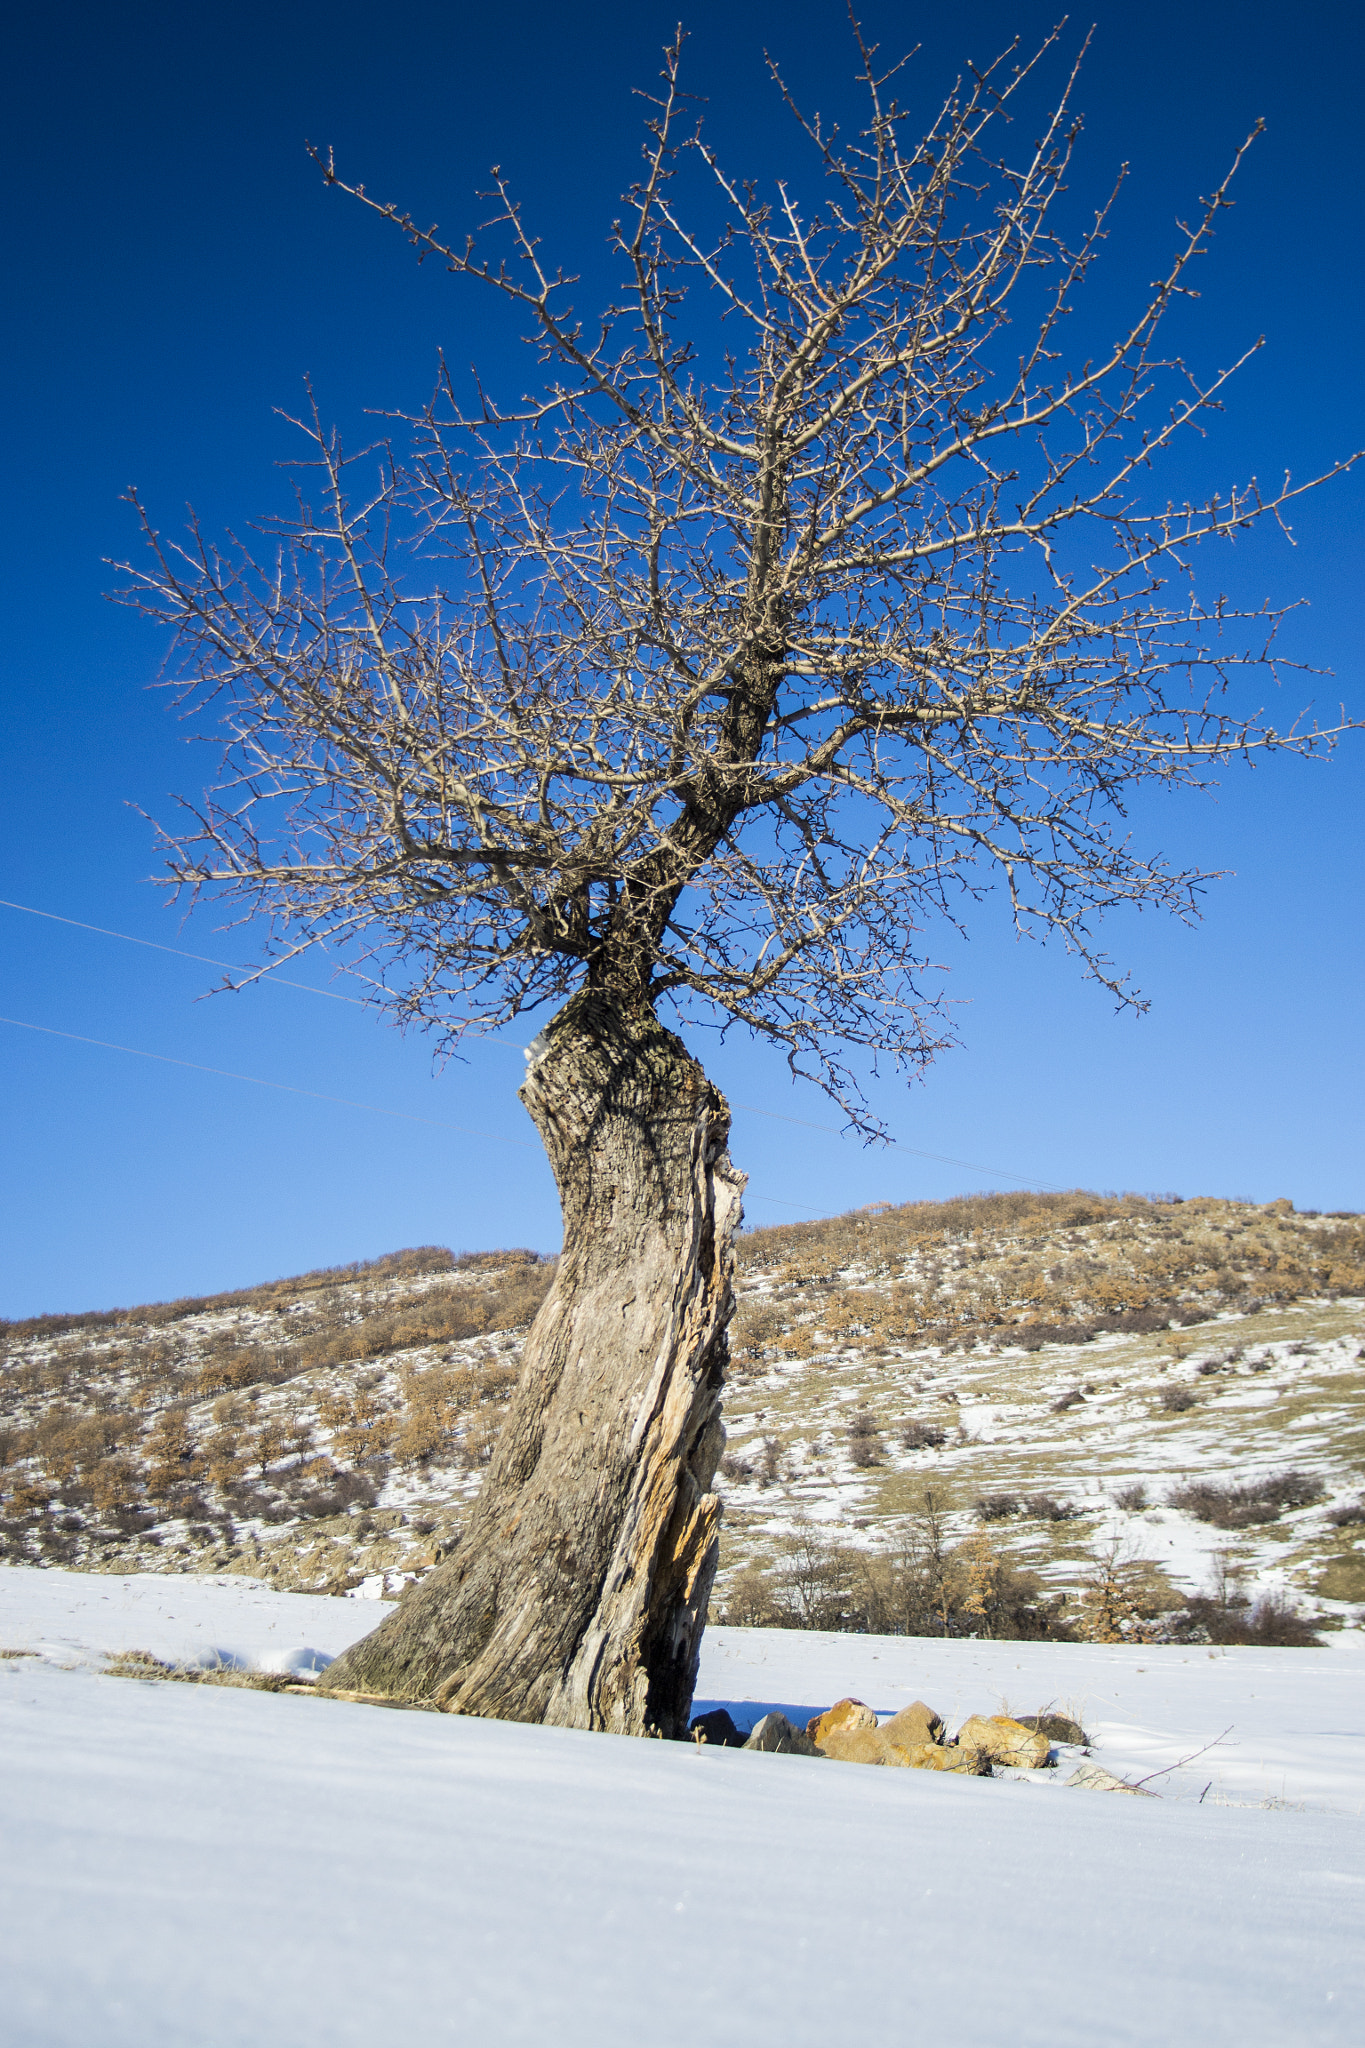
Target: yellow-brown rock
874 1746
860 1746
940 1756
842 1717
1004 1741
913 1724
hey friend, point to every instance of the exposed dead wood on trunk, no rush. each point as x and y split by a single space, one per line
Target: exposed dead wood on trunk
578 1595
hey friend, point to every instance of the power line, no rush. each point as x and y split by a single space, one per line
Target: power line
266 976
491 1037
941 1158
156 946
286 1087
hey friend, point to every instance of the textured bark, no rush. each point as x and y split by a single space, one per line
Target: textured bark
578 1594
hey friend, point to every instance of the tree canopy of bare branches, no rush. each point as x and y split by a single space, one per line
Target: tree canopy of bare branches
811 592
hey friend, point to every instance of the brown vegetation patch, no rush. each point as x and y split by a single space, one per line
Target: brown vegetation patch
1244 1507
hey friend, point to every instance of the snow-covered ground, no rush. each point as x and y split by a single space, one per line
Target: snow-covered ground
201 1865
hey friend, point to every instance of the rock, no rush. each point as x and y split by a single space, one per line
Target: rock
1092 1778
859 1746
874 1746
942 1756
775 1734
914 1724
1004 1741
1056 1727
843 1715
716 1727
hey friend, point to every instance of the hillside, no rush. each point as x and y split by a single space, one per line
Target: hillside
984 1404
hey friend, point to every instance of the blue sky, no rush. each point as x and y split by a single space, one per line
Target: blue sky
176 268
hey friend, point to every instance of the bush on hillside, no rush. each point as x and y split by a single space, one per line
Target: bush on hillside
924 1589
864 1441
923 1436
1246 1507
1273 1623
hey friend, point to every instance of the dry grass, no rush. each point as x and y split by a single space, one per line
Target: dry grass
141 1664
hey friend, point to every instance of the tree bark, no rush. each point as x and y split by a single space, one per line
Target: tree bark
578 1594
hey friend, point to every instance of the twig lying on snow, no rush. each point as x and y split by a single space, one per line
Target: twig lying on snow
1189 1760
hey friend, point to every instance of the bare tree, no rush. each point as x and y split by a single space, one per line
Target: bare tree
797 604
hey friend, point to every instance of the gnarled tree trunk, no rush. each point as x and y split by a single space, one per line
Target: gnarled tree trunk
578 1594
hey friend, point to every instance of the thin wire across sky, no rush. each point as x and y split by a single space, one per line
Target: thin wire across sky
407 1116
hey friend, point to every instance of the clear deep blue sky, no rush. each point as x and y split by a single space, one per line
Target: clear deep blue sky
174 269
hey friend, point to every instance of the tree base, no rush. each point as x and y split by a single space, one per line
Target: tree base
578 1594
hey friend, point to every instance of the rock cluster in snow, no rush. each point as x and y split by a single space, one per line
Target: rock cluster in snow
914 1738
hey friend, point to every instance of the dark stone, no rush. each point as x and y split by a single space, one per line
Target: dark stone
1056 1727
716 1727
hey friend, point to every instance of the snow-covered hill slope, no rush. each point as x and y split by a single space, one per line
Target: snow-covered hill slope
207 1867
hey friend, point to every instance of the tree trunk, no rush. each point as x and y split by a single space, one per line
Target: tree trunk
578 1594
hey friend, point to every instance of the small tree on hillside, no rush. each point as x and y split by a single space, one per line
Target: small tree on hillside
808 592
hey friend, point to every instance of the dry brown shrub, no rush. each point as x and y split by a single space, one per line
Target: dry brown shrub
268 1444
409 1263
1251 1505
448 1316
171 1453
798 1342
1122 1598
892 1234
485 1262
358 1425
924 1589
496 1378
232 1370
433 1400
753 1601
866 1309
224 1457
421 1437
1149 1258
923 1436
864 1439
27 1496
1273 1623
756 1325
480 1437
517 1300
67 1440
114 1483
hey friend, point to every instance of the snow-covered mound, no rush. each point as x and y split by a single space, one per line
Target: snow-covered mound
196 1864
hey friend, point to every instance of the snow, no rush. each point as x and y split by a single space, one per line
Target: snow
216 1866
79 1618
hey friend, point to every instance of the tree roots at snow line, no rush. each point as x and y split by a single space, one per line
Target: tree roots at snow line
578 1595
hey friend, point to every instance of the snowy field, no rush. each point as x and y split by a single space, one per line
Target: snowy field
203 1865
